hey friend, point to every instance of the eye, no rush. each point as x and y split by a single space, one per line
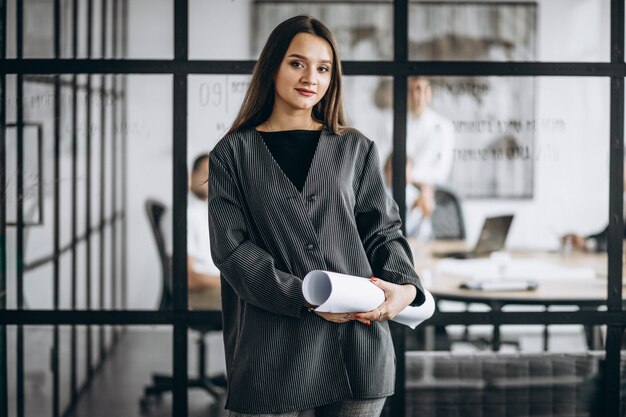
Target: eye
297 64
323 69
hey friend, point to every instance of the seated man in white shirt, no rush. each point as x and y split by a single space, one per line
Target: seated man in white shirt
420 202
203 276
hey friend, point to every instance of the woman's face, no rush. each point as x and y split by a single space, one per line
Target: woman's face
304 73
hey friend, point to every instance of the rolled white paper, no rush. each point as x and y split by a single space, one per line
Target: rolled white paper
333 292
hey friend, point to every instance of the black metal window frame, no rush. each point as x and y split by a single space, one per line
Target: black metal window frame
180 68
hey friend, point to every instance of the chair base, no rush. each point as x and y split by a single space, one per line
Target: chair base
215 386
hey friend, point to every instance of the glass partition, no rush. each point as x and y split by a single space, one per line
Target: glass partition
509 31
364 30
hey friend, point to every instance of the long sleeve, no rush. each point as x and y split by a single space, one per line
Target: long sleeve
245 266
378 222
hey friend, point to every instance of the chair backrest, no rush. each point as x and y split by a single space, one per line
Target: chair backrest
447 218
155 210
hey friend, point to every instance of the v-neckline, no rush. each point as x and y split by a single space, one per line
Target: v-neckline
280 170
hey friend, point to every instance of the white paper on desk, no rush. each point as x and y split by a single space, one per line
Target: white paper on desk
333 292
514 269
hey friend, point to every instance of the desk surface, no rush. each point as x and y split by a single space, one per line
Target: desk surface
578 292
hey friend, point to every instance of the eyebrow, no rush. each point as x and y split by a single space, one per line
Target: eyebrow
306 59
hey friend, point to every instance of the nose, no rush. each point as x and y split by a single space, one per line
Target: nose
309 76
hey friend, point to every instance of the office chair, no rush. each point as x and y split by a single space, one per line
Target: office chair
163 383
447 218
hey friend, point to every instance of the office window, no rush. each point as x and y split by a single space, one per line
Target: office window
150 29
509 31
364 30
214 101
366 101
534 123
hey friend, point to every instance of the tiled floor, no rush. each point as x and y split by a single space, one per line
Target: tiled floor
118 388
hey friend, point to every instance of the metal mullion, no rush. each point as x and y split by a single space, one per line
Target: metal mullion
150 317
113 262
124 159
102 176
55 353
616 220
88 130
179 212
114 246
400 41
74 217
4 377
612 371
615 246
385 68
20 214
612 363
101 228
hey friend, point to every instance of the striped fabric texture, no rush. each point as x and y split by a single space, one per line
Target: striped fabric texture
266 236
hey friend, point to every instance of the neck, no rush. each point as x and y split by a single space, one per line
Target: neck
417 113
302 120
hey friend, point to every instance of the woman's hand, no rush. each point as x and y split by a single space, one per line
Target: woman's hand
336 317
397 297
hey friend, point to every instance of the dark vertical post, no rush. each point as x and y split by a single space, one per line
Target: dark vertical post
88 131
124 158
616 220
19 273
73 337
179 199
102 193
4 396
400 25
55 354
56 379
114 127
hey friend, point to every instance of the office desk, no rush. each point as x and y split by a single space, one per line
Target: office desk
585 294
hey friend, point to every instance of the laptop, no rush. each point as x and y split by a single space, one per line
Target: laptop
492 238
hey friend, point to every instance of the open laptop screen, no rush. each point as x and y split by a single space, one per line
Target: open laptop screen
493 235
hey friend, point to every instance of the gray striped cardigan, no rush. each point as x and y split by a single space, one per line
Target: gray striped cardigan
266 236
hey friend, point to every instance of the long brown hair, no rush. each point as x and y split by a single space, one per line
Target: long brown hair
259 99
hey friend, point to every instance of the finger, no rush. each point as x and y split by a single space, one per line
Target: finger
336 317
370 315
380 283
362 317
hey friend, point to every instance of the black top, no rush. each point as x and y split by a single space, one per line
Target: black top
293 150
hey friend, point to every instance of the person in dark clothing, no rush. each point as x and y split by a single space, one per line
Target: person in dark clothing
292 189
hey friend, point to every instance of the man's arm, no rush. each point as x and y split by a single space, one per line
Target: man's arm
199 280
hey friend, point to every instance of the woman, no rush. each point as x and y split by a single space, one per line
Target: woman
292 189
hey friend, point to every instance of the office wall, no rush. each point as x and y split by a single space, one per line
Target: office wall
571 169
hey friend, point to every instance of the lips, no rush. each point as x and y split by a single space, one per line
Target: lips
305 92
